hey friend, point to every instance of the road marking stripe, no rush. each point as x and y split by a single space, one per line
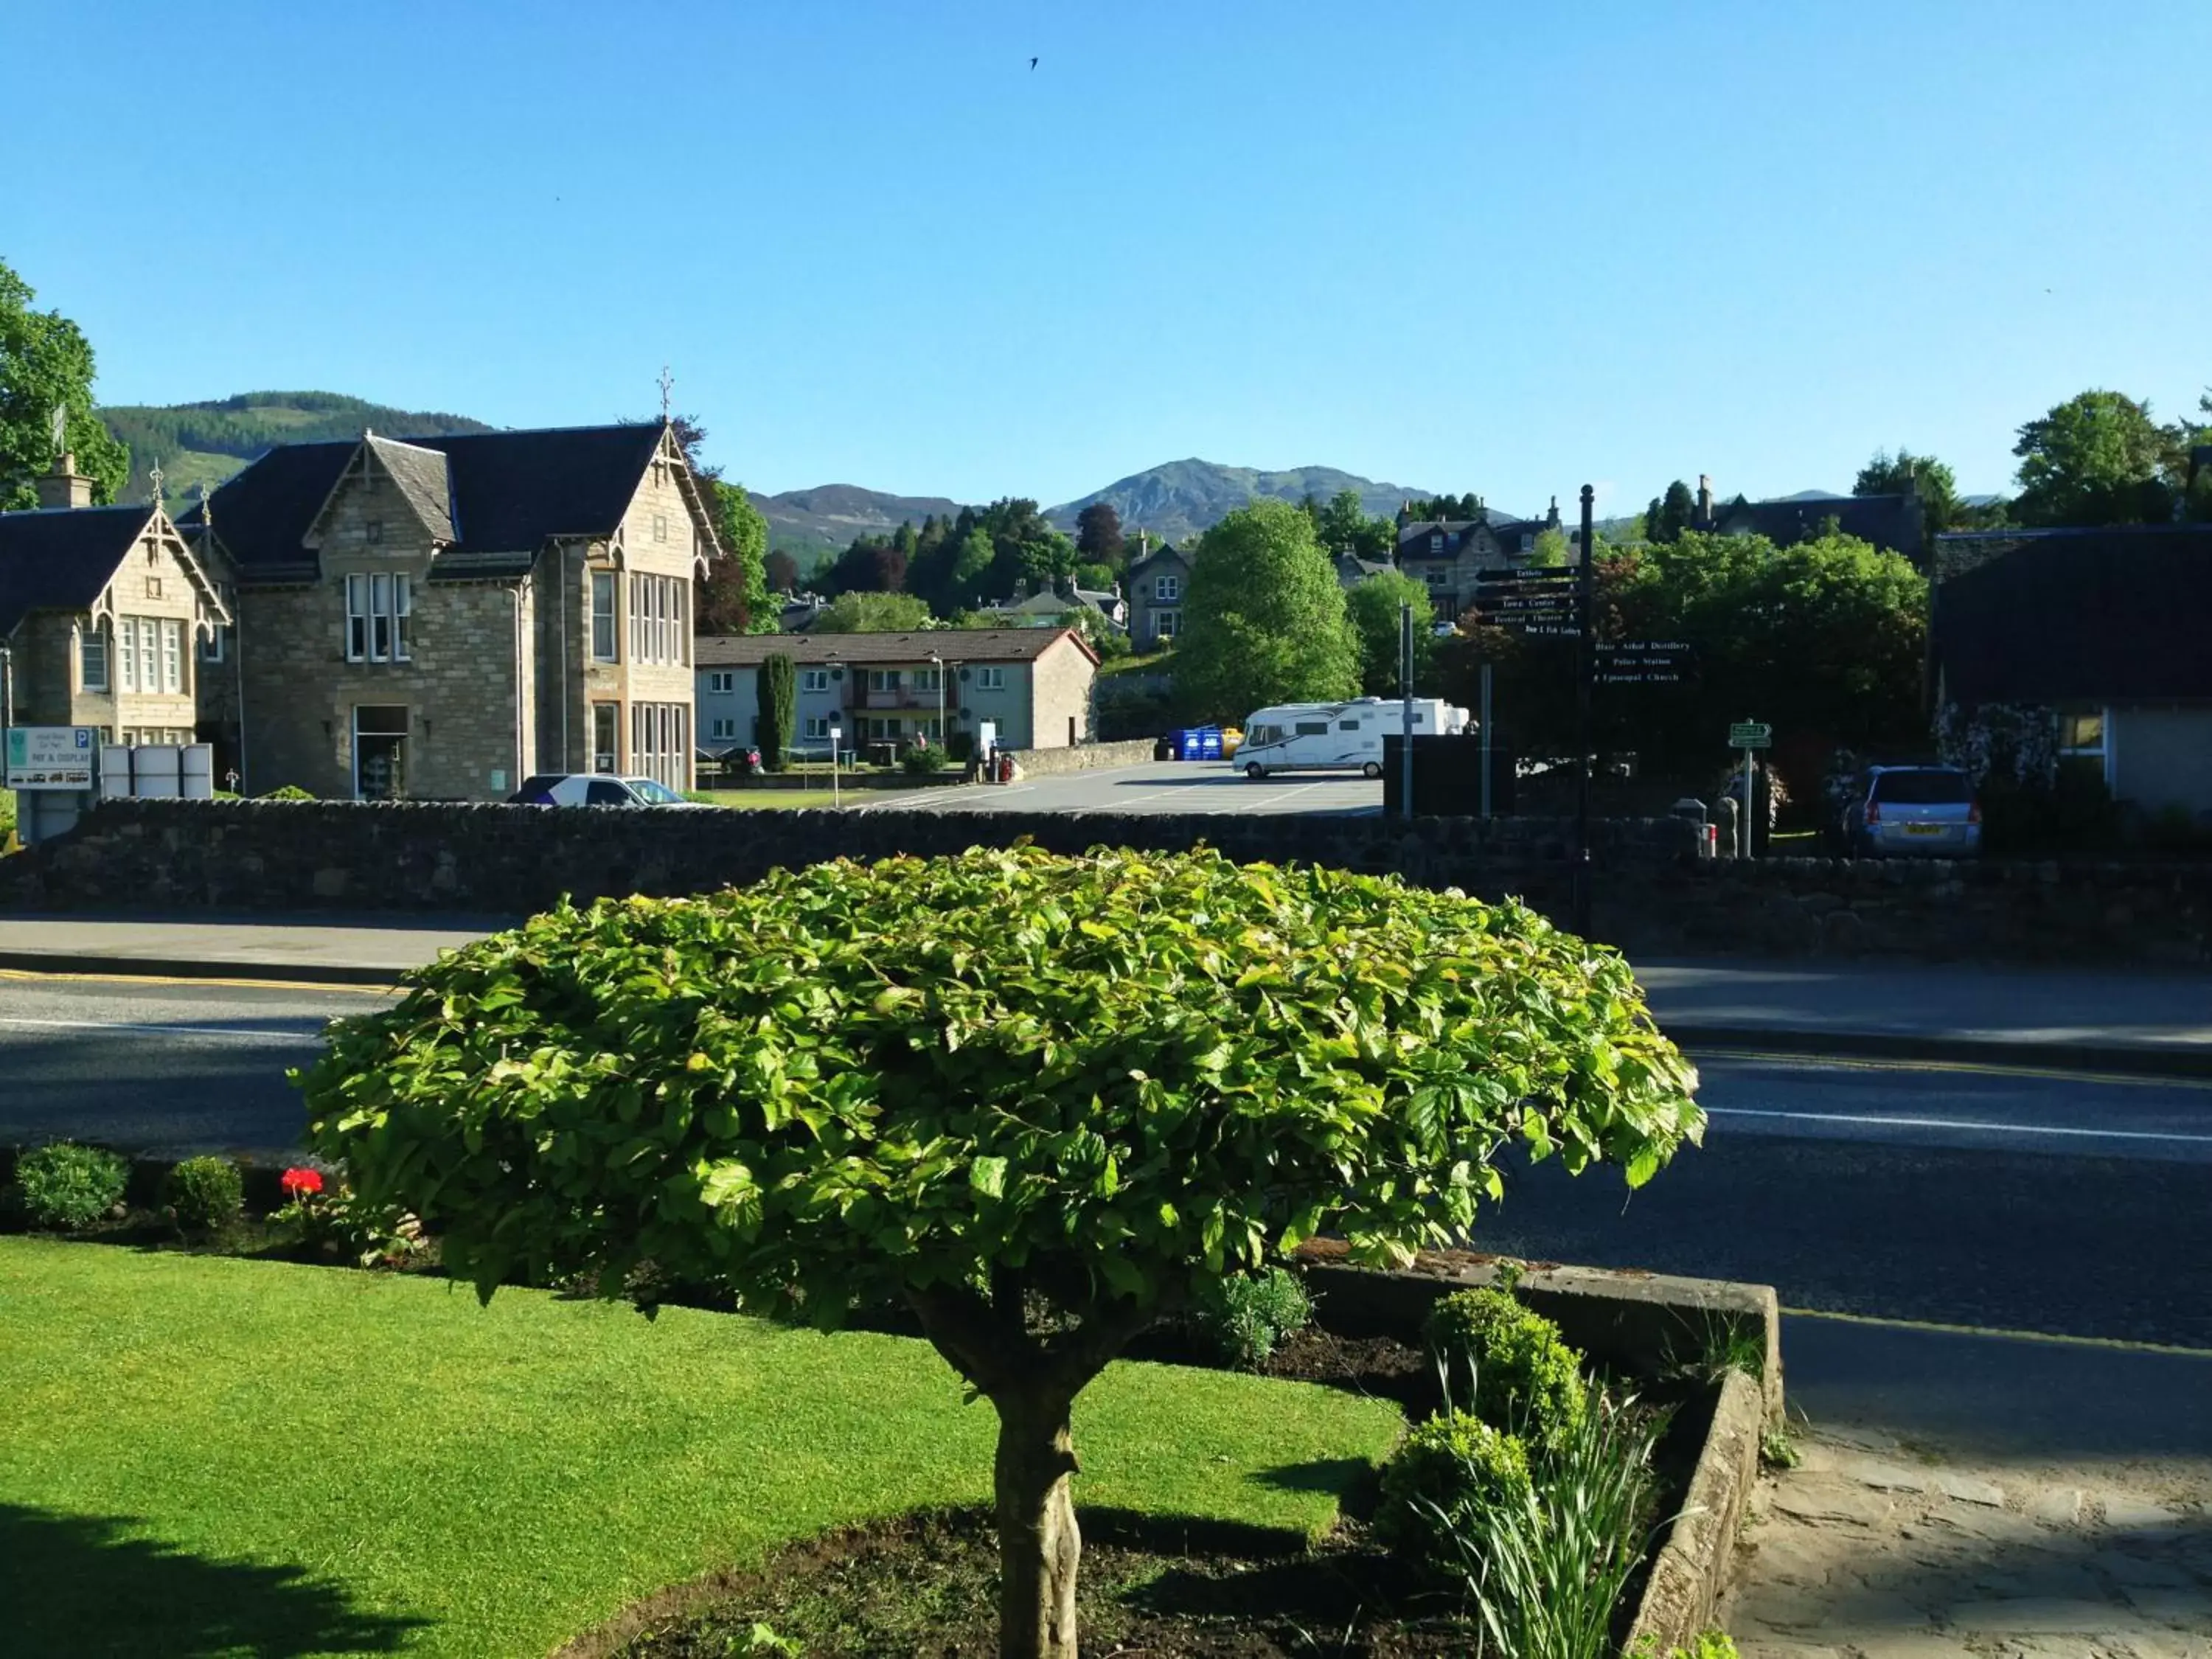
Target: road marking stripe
2057 1338
1802 1061
244 1033
1876 1119
35 976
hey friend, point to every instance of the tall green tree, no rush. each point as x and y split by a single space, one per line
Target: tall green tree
1670 514
872 613
1937 484
1373 605
1551 549
2097 459
778 719
734 597
1098 535
1263 617
1343 526
47 364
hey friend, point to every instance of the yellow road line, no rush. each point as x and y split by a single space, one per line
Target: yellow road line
1969 1067
2055 1339
199 979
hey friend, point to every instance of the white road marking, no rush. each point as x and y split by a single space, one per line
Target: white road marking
240 1033
1877 1121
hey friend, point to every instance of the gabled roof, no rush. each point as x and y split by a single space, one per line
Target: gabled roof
63 558
1164 551
953 644
508 493
1894 522
423 478
2054 617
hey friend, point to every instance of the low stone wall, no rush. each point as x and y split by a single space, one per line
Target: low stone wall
493 859
1650 896
1085 757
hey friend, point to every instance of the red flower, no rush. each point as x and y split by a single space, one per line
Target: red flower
298 1182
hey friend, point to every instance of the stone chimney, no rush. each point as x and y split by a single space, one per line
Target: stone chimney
1704 502
1021 589
64 486
1405 514
1144 545
1552 517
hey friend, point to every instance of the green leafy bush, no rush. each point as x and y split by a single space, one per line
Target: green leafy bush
1543 1565
1526 1378
922 760
205 1193
288 792
66 1185
1042 1100
1441 1467
1246 1318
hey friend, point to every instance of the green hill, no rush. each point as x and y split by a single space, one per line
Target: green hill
1178 500
205 443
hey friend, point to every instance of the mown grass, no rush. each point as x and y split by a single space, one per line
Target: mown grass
206 1455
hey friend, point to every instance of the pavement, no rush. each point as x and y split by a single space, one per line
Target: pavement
1168 787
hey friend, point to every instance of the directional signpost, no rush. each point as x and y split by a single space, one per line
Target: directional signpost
1642 662
1751 736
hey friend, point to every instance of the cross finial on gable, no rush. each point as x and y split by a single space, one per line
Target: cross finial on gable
667 382
154 478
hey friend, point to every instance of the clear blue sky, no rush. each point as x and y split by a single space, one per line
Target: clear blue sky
1498 247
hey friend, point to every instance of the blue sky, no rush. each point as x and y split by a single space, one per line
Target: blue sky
1494 246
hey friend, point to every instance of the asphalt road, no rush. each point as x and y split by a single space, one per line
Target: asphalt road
1167 786
2016 1200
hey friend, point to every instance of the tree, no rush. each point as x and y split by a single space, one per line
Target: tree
1263 617
1104 639
916 1081
782 573
2096 458
1098 535
733 599
1343 526
1551 549
1372 605
872 613
872 564
1935 483
1469 506
47 364
778 719
1669 515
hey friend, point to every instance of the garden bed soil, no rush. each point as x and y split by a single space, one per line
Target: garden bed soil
926 1585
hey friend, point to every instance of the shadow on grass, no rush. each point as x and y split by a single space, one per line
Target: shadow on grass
76 1585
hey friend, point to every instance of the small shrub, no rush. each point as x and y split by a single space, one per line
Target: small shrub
65 1185
1246 1318
290 791
921 760
1444 1467
205 1195
1526 1379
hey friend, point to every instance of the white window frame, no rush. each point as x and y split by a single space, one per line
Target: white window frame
817 728
990 679
885 679
722 680
149 658
1167 589
125 670
723 728
814 680
606 638
403 617
356 623
172 657
1166 624
95 637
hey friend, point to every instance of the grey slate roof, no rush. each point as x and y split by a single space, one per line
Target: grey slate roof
2057 617
62 558
509 493
814 649
1894 522
423 478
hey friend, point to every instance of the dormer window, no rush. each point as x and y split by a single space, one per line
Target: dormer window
1436 541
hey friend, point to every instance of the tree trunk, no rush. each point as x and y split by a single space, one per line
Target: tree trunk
1038 1544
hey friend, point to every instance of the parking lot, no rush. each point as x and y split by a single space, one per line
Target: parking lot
1166 787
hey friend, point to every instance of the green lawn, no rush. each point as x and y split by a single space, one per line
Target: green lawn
788 800
206 1456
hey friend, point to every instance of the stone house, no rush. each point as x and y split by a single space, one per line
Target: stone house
438 619
1155 584
1897 522
1446 555
1033 684
101 608
2099 635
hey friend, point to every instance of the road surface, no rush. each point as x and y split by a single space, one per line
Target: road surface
2019 1200
1166 787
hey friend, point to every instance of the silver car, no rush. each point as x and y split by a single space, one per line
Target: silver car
1913 811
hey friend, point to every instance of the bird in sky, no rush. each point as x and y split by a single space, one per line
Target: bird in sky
1032 63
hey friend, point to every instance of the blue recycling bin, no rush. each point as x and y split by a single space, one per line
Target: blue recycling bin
1198 743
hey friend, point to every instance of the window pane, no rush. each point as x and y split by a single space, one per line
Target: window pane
149 647
173 652
92 658
403 608
126 652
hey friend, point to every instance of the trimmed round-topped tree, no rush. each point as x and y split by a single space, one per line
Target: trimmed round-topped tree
1041 1100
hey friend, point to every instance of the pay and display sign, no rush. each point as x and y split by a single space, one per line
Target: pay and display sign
49 756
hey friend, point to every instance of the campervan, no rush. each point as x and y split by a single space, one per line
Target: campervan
1299 736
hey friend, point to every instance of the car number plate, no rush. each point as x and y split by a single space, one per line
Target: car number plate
1924 828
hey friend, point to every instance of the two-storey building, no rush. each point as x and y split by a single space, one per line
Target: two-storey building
1031 684
102 609
1156 582
440 617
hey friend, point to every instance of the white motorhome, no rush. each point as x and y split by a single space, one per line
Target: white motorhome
1305 737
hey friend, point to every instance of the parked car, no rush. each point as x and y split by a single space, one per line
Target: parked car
593 789
1916 812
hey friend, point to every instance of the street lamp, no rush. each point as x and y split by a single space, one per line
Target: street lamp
939 663
836 735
